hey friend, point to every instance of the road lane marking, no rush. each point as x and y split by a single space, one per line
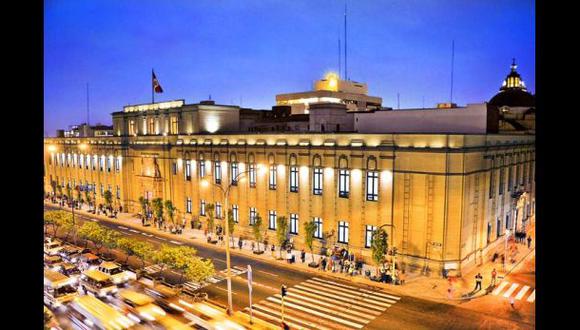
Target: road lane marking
333 296
133 231
275 319
261 271
350 293
510 290
532 297
348 303
175 242
161 238
122 227
359 289
499 288
522 292
217 287
297 297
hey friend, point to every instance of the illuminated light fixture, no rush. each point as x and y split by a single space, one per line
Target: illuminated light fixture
207 141
51 148
281 143
223 141
241 142
329 143
261 142
212 125
193 141
304 143
357 143
180 141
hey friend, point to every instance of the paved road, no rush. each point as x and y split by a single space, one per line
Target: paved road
319 302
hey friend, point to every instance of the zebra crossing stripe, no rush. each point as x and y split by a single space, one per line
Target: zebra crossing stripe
353 291
532 297
296 298
175 242
510 290
304 319
522 292
133 231
348 294
275 319
335 301
359 289
499 288
334 296
309 310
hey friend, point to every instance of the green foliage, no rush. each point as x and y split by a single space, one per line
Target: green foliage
143 202
170 210
257 229
59 189
53 185
210 217
58 219
108 196
309 230
379 246
198 270
281 231
184 259
157 205
93 232
88 196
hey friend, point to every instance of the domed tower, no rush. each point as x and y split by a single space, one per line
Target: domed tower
515 104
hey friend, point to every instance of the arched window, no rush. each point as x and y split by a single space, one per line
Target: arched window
343 177
234 170
217 168
201 160
273 172
293 173
317 175
372 179
252 170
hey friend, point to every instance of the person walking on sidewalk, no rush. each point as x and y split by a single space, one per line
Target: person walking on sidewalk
323 263
493 275
240 243
529 241
273 249
303 255
512 302
478 279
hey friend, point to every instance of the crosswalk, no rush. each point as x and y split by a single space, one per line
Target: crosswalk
506 289
322 304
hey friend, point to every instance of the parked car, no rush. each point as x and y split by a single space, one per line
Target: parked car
53 247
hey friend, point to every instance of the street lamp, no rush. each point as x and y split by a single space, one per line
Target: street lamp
393 249
225 194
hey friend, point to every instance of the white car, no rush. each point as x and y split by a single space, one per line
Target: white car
53 248
116 272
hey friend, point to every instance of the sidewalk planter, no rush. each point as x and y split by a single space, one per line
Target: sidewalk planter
258 252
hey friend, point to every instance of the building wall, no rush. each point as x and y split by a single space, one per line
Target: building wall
434 189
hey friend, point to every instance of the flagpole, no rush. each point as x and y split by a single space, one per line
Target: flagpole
152 87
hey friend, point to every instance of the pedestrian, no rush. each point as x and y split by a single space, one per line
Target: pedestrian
302 255
253 245
478 279
273 249
493 275
323 263
529 241
402 277
240 243
512 302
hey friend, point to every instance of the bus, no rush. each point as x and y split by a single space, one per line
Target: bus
95 314
98 283
58 288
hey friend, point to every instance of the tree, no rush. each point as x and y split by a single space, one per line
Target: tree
157 205
231 226
170 210
143 250
379 246
281 232
143 202
92 231
68 193
185 260
110 239
309 230
57 219
210 217
88 197
199 270
257 229
53 185
79 197
59 189
128 246
108 196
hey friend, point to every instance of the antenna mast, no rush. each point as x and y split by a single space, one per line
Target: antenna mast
452 62
88 124
339 64
345 48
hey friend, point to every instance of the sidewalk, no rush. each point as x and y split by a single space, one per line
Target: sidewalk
416 286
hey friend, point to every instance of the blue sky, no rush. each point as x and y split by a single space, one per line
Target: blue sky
248 51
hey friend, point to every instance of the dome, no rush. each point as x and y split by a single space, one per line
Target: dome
513 92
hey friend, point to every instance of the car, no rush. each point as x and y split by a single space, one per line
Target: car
140 305
89 260
53 247
52 261
113 269
71 253
68 269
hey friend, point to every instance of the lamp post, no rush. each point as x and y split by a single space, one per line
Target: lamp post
225 194
393 249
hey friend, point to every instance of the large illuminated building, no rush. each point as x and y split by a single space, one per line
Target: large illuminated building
446 183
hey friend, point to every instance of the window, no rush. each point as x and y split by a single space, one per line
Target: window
187 170
294 224
235 213
252 216
492 181
343 183
81 161
294 178
501 176
218 210
217 171
68 160
151 125
118 192
525 176
117 164
517 178
188 205
372 185
88 161
201 168
252 169
272 179
202 208
174 129
75 161
102 163
369 230
132 130
510 173
102 189
272 220
174 168
109 164
317 181
343 232
318 231
234 173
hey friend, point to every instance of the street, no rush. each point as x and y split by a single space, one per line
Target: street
325 302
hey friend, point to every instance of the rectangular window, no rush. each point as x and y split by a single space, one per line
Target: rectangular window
188 205
318 231
102 164
294 224
174 125
151 126
293 178
202 208
217 172
235 213
501 179
218 210
252 216
317 181
234 173
118 192
75 160
372 185
343 232
102 189
68 160
109 164
272 179
88 161
117 164
174 168
510 174
132 130
491 183
81 161
369 230
525 176
187 170
201 168
272 220
343 183
252 169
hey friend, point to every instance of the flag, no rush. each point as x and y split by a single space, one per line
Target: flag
156 87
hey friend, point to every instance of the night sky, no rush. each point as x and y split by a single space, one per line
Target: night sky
246 52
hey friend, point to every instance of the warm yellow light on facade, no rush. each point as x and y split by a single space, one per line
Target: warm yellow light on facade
83 146
356 175
281 169
262 169
204 183
51 148
387 176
